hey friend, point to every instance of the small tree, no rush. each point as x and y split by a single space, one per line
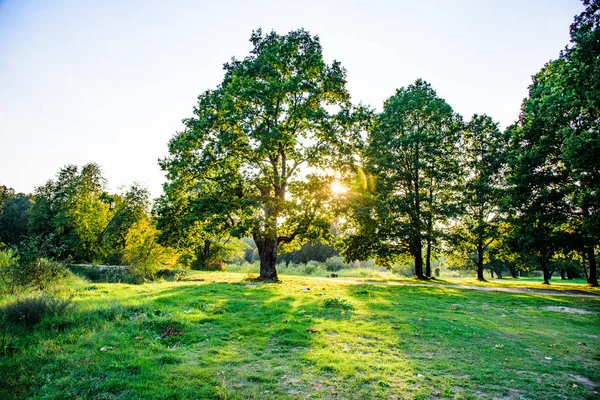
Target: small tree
143 253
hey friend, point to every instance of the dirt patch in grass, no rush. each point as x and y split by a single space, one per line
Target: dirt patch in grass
569 310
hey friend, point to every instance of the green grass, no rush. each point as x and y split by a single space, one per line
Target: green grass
241 340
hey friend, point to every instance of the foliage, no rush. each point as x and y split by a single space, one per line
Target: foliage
412 155
483 157
9 269
41 273
103 273
127 209
71 213
143 253
30 311
239 163
335 263
14 217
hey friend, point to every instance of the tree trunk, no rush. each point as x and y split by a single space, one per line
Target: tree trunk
206 251
513 273
480 276
545 270
584 265
428 259
570 275
418 259
499 274
492 273
562 275
267 252
593 279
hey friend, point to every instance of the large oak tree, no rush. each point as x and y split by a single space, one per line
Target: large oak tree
253 160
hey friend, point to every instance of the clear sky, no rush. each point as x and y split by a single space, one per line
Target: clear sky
110 81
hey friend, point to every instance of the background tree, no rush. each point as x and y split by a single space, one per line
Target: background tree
538 178
412 155
482 154
579 88
258 148
69 215
14 216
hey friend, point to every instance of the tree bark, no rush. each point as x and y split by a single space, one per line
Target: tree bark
428 259
419 264
545 270
593 279
562 275
480 276
267 252
492 273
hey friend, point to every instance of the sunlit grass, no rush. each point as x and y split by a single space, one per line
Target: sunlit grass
241 339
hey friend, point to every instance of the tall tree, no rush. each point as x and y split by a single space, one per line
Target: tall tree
482 154
538 178
580 89
256 152
14 216
412 155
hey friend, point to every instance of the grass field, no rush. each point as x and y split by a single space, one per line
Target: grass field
218 336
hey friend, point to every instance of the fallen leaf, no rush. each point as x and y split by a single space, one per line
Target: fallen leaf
311 330
138 338
104 348
394 327
553 345
548 358
582 343
334 392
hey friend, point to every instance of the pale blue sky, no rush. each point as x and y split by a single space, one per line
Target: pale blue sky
110 81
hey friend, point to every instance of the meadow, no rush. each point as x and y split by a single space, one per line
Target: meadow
218 335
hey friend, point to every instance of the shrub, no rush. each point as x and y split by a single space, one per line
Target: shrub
9 268
103 273
215 265
41 273
142 253
175 274
30 311
335 263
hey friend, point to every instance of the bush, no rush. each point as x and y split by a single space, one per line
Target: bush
30 311
215 265
175 274
404 270
103 273
41 273
142 253
335 263
9 268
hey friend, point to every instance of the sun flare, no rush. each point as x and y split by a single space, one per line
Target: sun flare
337 188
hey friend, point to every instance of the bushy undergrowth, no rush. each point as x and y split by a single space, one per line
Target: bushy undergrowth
172 274
314 268
104 273
30 311
18 275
